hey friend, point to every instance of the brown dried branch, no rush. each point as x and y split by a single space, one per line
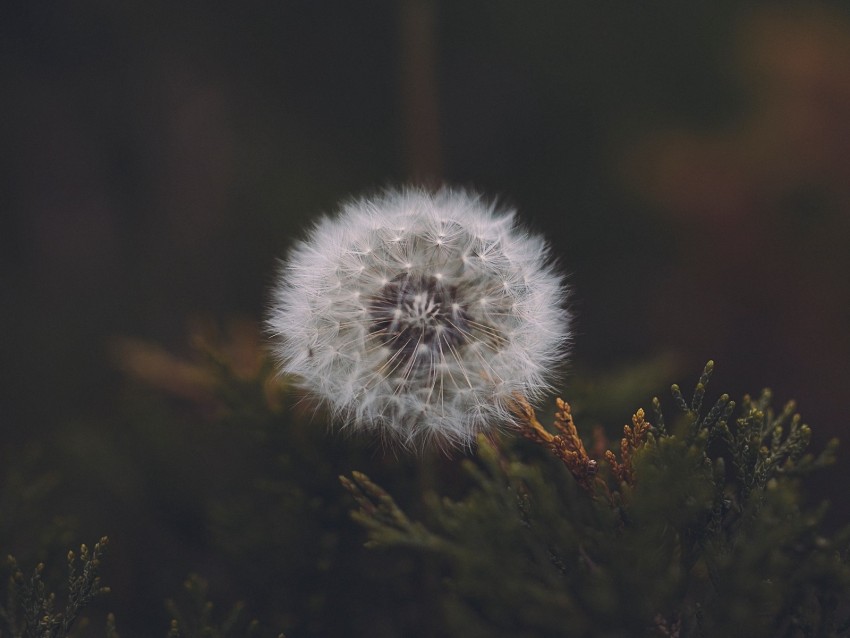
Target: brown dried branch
633 437
567 445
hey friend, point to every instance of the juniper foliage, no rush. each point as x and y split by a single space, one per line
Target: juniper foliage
705 535
30 610
194 615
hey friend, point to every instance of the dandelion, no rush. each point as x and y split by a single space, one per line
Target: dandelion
420 316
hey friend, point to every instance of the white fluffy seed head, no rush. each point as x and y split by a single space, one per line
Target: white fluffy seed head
420 315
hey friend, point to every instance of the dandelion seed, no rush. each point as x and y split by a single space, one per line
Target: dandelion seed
419 316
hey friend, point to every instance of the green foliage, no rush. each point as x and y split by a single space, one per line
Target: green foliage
697 528
31 611
193 615
709 538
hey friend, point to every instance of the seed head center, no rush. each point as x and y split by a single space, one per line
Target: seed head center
423 311
418 317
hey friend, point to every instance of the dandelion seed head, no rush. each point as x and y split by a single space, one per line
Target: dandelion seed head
419 315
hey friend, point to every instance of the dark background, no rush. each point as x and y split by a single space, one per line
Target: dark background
690 162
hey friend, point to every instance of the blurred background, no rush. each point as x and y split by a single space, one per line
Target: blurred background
690 163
